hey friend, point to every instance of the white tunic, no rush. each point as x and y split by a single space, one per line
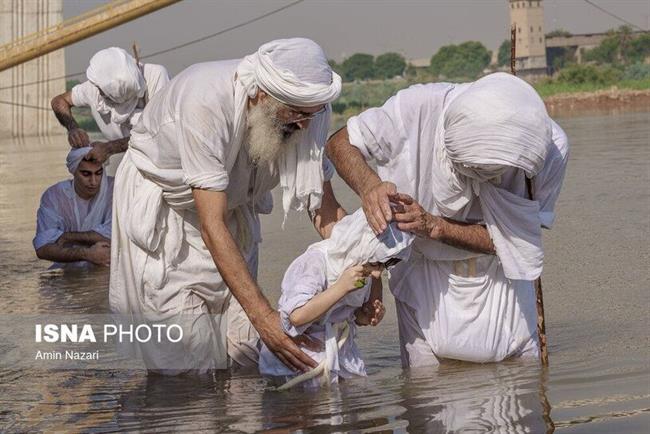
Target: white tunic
474 315
87 94
62 210
305 278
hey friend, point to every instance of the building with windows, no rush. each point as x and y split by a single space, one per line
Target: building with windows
527 17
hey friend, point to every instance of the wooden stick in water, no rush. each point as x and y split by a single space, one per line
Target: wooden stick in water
541 320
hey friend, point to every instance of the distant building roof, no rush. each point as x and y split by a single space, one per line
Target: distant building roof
421 62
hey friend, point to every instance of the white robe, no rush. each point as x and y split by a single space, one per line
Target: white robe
62 210
161 269
305 278
86 94
461 305
352 242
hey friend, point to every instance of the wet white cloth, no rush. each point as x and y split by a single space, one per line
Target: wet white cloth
75 157
352 243
116 120
62 210
190 136
487 317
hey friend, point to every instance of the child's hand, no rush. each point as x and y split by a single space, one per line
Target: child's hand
351 278
371 313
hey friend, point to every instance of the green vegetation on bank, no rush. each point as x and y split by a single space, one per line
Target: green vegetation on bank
621 61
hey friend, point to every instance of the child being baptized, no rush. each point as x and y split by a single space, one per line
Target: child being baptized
326 290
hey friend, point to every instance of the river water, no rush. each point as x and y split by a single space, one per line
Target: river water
596 293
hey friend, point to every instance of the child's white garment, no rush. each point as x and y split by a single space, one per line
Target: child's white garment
352 243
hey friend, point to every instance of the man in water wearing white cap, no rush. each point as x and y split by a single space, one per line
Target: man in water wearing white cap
454 166
117 90
200 167
73 224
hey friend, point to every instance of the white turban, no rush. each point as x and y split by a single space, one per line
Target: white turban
118 75
295 72
354 243
75 156
498 122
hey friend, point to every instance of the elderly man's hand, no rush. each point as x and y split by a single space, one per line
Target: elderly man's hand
78 138
99 153
376 205
284 347
411 217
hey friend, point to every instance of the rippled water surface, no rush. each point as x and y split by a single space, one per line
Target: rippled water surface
596 292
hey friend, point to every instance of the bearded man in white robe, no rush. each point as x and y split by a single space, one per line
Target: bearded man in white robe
454 163
199 169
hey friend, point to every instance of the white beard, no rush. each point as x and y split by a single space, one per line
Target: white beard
266 137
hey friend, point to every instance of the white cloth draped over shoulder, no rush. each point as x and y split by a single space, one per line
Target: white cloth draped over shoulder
62 210
191 135
463 151
126 85
352 243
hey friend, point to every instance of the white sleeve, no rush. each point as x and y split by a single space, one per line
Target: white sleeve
377 132
84 94
548 183
304 278
204 141
156 77
381 133
49 222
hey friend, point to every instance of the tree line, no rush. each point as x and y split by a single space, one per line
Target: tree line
470 59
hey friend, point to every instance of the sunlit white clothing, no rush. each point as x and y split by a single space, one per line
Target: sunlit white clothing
191 135
352 243
465 305
112 126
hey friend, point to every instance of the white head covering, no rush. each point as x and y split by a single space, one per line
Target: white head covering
498 122
118 75
75 156
295 72
354 243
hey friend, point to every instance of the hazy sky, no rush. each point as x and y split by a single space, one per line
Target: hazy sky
342 27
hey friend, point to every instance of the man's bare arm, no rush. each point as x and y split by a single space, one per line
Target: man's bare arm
329 212
62 107
410 216
472 237
212 207
99 253
350 164
356 172
86 238
102 150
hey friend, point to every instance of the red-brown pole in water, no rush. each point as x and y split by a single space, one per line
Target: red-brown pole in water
541 322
